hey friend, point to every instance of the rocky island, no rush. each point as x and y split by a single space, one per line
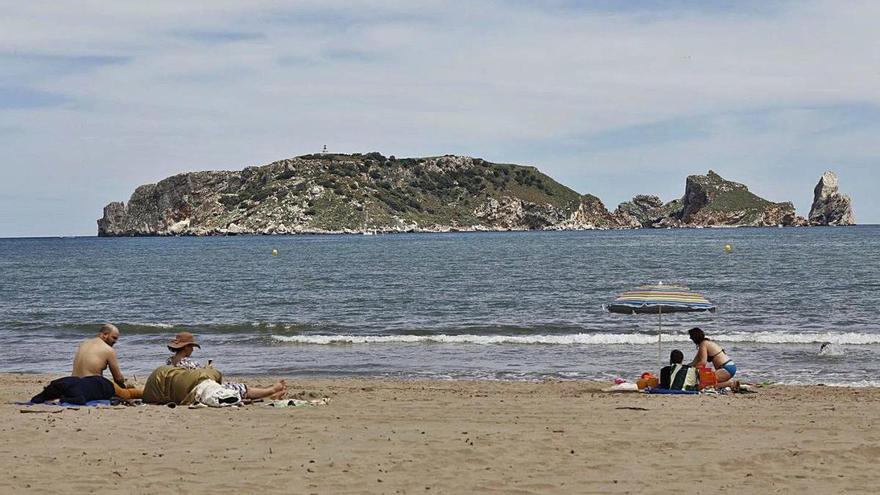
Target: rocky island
371 193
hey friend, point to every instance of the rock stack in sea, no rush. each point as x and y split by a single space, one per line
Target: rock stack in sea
830 207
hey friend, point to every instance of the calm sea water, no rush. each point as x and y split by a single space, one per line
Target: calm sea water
499 306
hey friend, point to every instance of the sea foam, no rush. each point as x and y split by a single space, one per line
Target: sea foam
583 338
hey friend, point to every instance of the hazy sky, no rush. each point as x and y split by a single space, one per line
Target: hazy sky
611 98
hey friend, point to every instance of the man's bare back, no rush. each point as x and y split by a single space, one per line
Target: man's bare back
97 354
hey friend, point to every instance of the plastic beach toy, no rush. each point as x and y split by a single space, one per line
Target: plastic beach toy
707 377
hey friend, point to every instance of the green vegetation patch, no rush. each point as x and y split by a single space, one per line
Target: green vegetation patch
737 200
230 201
528 184
331 212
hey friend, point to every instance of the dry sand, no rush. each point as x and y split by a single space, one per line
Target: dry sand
381 436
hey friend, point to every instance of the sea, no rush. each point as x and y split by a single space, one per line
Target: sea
497 306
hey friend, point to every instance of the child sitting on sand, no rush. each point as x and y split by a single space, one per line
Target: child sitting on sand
678 376
182 347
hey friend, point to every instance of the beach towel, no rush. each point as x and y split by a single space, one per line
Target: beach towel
91 403
622 387
298 402
667 391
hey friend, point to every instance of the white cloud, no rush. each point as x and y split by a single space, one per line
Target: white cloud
202 85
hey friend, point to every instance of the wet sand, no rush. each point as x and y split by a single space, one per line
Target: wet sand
384 436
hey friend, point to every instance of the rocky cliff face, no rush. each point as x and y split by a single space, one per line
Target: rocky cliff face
648 211
182 204
334 193
710 200
641 211
830 207
591 213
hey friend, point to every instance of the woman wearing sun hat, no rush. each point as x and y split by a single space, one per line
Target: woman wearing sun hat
182 346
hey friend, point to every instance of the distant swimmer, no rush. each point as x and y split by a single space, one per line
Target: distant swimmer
829 349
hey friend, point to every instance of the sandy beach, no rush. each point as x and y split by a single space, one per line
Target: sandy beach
382 436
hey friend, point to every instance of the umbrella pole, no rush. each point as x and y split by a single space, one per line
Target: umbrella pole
659 338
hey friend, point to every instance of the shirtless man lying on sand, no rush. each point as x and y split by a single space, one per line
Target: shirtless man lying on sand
97 354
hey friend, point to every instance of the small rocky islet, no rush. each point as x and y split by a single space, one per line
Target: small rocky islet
369 193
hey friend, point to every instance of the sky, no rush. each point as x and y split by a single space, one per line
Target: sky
609 98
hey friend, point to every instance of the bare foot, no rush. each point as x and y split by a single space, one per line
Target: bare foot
280 390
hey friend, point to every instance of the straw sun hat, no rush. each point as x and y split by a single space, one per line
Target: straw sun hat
183 339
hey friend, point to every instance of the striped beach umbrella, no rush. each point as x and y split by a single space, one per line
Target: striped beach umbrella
659 299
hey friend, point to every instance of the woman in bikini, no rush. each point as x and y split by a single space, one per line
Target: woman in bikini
710 352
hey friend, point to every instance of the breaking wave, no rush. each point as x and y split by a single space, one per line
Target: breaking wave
582 339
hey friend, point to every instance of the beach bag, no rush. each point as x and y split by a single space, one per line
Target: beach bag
679 377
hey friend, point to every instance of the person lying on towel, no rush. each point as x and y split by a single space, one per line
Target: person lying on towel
183 346
678 376
169 384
